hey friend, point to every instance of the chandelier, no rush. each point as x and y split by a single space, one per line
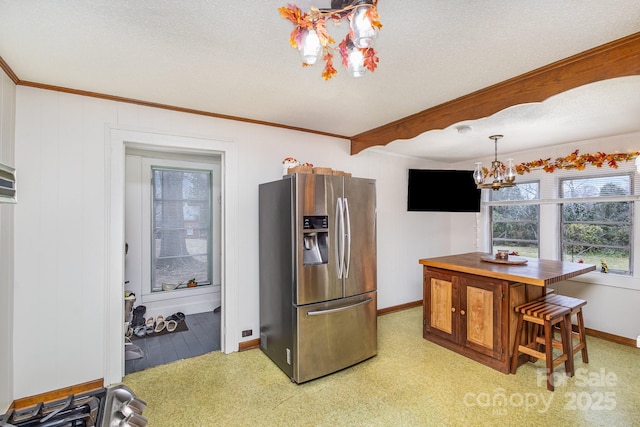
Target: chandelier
502 176
312 39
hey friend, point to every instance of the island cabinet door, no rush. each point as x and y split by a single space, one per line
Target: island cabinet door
481 308
441 302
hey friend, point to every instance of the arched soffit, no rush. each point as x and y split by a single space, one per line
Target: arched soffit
616 59
597 110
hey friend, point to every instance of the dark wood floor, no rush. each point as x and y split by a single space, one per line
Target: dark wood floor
202 337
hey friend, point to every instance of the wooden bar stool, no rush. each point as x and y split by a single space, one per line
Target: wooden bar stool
575 305
547 315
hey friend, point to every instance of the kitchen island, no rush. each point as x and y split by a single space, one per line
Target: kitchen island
468 302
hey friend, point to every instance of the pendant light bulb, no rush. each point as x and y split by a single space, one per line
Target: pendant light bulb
478 176
364 35
310 47
510 172
356 62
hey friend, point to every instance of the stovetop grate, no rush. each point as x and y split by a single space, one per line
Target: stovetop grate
99 408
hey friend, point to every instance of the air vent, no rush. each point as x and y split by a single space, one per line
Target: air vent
7 184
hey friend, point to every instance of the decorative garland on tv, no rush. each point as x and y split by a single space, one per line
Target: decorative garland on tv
576 161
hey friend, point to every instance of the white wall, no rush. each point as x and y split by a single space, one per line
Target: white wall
60 223
7 128
613 301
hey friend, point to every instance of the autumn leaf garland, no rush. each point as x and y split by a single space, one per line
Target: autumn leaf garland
317 19
576 161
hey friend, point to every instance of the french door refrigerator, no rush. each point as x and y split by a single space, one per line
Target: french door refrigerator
318 271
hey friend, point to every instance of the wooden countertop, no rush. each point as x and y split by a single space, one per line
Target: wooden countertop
540 272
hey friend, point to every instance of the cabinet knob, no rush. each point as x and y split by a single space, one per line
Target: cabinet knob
462 312
453 309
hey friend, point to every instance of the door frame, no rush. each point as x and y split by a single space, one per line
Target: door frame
116 141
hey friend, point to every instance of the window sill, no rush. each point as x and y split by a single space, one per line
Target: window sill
608 279
179 293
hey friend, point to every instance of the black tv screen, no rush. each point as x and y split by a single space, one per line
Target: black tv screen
438 190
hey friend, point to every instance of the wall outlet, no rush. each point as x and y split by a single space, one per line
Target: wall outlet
247 332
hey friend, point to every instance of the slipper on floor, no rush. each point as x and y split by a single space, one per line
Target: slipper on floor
171 325
160 323
178 317
150 324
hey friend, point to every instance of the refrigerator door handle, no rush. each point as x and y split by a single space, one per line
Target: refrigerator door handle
339 240
348 238
333 310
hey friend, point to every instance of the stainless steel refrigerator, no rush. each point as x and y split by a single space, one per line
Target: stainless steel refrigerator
318 271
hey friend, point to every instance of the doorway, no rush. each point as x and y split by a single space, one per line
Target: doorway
118 141
173 257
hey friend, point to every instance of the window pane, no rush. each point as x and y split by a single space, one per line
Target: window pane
602 186
181 227
596 232
515 228
526 191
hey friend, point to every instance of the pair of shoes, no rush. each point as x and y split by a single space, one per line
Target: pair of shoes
177 317
160 324
150 325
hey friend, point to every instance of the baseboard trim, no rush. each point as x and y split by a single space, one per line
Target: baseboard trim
610 337
50 396
248 345
400 307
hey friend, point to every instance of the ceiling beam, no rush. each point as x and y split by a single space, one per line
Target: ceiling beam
615 59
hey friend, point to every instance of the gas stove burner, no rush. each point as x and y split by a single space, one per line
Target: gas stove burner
106 407
74 411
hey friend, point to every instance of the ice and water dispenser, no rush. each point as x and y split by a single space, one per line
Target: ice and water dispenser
315 240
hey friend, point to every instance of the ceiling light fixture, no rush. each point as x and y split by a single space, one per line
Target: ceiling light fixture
312 39
502 176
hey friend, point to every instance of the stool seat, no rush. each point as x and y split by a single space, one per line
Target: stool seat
575 305
548 315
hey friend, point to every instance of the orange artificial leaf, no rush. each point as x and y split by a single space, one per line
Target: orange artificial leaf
294 37
291 13
323 34
370 59
328 71
372 14
344 53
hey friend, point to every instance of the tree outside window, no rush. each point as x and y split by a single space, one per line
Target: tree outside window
598 231
181 227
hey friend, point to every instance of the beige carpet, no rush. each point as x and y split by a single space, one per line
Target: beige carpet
411 382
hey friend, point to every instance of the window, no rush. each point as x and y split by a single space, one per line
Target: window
181 224
597 227
514 216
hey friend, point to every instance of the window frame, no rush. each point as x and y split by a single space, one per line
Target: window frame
490 204
179 162
628 198
153 225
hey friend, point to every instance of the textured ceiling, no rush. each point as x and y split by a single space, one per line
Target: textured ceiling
233 58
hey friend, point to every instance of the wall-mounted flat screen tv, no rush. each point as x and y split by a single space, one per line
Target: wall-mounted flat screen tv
439 190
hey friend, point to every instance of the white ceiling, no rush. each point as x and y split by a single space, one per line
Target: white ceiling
233 58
